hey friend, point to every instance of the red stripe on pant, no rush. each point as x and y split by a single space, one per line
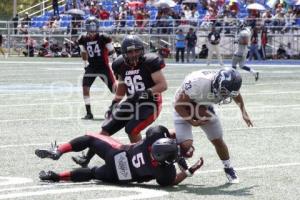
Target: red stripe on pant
141 126
114 143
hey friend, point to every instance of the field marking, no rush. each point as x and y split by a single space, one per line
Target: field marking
13 180
251 168
142 192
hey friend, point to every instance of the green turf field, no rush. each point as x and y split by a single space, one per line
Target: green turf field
41 101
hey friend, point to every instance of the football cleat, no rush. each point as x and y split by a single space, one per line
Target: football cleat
81 160
51 153
49 176
256 76
88 116
231 175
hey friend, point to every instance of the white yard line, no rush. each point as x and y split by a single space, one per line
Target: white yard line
136 192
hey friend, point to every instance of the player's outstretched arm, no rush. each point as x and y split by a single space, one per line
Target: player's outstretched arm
240 102
189 172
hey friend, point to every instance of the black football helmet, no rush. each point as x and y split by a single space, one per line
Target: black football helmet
226 84
132 49
165 150
92 25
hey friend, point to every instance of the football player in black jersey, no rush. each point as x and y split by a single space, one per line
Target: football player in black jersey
151 158
95 51
140 78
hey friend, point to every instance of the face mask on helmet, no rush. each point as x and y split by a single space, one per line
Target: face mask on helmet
165 150
226 85
91 26
132 50
133 56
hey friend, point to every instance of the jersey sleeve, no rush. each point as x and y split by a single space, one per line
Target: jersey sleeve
154 62
116 65
105 38
80 40
166 175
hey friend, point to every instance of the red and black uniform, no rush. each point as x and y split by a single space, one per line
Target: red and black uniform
98 58
132 114
123 163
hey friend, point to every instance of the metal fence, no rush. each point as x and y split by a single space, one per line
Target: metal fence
154 37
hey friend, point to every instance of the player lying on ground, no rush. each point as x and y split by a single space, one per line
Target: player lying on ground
151 158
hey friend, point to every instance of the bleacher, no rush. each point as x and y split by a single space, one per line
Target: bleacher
65 20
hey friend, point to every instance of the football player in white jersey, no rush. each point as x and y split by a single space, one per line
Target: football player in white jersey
240 53
204 89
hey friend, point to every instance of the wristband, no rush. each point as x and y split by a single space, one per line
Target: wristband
188 172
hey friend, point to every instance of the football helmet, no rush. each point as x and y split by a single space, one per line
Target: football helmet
132 49
226 84
92 25
165 150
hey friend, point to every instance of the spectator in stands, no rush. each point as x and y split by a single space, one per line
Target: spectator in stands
290 53
290 18
213 44
191 41
254 45
204 51
278 20
267 18
29 46
264 41
122 21
55 7
15 23
23 29
1 48
194 17
26 20
180 45
103 14
281 52
93 9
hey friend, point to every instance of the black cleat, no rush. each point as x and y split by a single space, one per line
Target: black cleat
88 116
81 160
256 76
51 153
49 176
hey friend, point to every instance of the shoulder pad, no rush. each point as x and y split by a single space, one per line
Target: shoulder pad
153 62
117 62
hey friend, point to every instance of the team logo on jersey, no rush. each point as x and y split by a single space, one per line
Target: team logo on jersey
188 85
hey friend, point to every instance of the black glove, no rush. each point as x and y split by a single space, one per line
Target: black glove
196 166
140 96
109 112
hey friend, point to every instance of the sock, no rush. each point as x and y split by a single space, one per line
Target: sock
64 148
249 69
81 174
226 163
87 103
65 176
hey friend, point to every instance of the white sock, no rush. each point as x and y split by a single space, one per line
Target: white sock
252 71
87 100
226 163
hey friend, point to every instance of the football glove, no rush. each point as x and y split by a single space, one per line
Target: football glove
111 108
